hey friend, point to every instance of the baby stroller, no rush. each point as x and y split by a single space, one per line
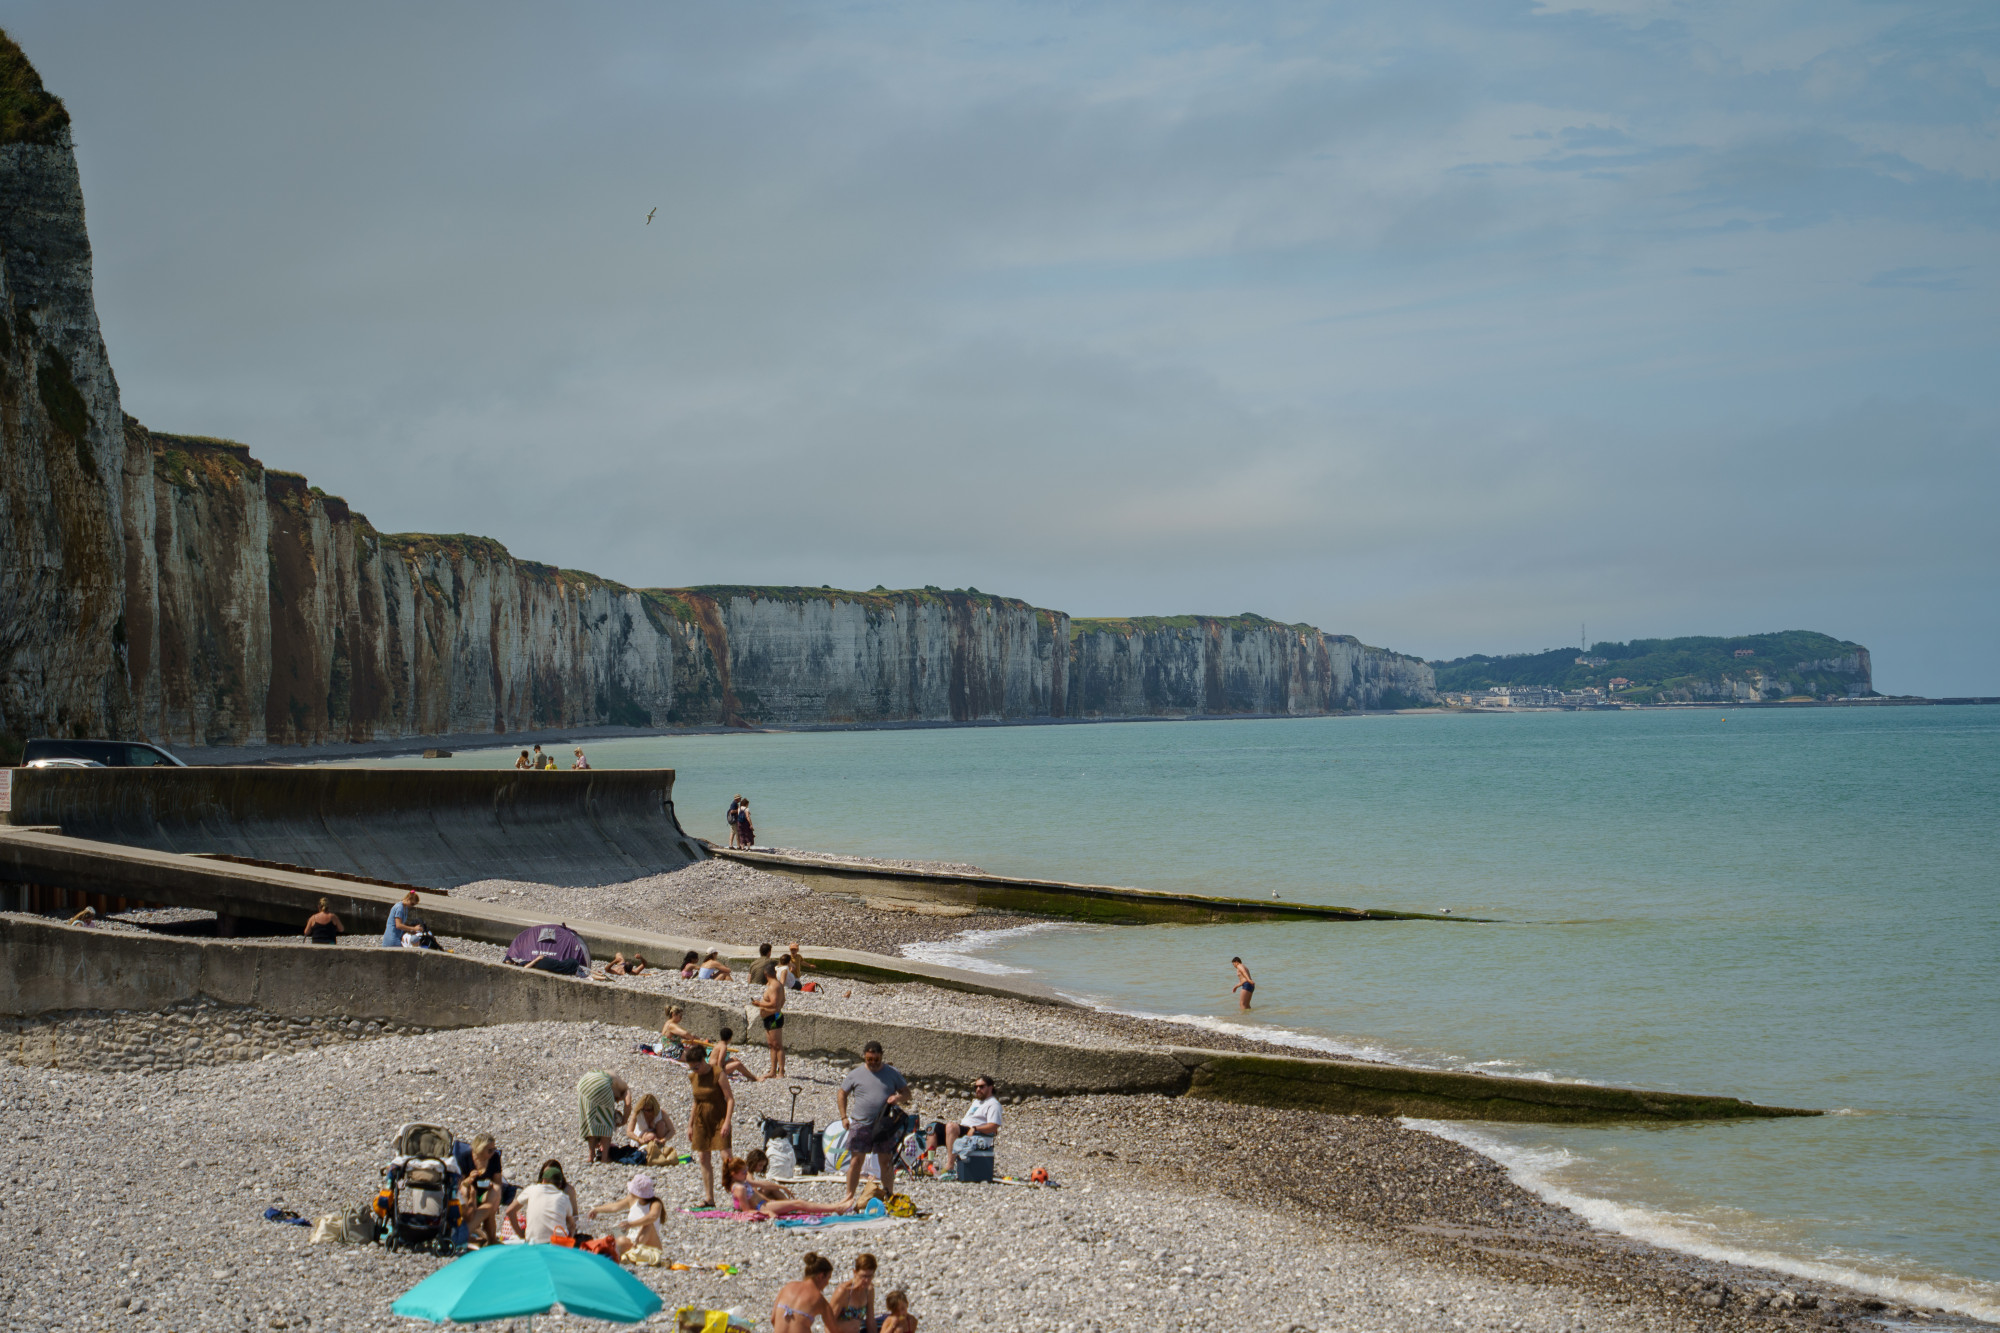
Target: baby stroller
419 1198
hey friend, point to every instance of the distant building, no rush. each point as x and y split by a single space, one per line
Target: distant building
1617 683
1600 661
1746 652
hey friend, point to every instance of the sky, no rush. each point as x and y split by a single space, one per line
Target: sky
1450 326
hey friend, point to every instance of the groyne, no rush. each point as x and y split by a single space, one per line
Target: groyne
52 969
1108 904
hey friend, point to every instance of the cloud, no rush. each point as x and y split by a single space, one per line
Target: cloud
1922 278
1433 327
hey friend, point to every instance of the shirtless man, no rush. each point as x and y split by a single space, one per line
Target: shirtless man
771 1007
1244 986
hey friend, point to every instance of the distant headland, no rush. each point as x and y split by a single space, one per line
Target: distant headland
1798 665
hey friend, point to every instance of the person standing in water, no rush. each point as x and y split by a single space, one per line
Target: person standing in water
1244 986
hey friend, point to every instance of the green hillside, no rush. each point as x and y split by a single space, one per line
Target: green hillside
1774 666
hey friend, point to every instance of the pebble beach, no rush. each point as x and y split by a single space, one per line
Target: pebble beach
136 1201
145 1149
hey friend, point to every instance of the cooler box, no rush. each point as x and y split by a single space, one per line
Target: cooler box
975 1168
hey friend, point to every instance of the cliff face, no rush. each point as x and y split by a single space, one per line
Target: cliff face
62 485
1214 666
279 615
800 655
173 587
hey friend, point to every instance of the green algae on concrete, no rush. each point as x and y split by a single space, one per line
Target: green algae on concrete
1103 904
1352 1087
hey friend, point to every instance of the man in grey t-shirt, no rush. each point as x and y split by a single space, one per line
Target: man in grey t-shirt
866 1096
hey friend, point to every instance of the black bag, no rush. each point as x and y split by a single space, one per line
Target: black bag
805 1140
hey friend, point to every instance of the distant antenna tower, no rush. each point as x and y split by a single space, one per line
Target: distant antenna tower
1583 636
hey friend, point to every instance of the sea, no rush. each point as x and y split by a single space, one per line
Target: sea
1797 907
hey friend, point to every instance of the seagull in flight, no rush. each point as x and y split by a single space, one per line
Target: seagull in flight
649 216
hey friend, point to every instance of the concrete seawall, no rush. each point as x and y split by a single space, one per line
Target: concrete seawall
433 828
52 968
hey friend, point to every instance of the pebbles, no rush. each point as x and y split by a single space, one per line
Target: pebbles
135 1201
725 900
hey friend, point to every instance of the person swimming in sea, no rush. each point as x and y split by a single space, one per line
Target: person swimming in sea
1244 986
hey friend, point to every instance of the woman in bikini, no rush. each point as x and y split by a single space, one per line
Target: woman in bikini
799 1303
747 1198
853 1301
673 1037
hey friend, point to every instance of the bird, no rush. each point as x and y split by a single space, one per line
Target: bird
649 216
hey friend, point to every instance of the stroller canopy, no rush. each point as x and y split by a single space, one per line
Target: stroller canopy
557 942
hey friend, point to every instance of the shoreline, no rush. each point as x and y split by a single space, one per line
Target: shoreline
401 747
1560 1245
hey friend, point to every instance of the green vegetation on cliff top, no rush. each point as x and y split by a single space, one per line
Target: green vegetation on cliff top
1247 622
29 113
1666 667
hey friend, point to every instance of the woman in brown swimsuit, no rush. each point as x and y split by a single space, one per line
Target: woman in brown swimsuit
708 1119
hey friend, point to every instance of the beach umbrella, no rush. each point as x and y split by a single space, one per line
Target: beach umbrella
505 1281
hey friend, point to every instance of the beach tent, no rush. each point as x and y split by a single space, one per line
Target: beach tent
550 948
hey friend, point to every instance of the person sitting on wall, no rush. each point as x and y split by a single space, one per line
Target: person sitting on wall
690 965
402 918
323 926
714 969
974 1131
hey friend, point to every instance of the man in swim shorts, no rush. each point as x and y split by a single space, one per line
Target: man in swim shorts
871 1098
771 1008
1244 986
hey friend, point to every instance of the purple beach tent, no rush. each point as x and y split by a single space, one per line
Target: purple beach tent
551 949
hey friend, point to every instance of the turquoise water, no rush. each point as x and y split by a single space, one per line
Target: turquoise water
1793 907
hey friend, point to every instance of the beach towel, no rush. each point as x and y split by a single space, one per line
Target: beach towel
597 1105
722 1215
844 1224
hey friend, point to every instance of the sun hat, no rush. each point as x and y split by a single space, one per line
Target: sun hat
641 1187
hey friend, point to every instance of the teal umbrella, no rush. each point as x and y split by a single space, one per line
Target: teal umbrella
503 1281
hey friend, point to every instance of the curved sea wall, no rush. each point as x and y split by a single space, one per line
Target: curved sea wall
175 588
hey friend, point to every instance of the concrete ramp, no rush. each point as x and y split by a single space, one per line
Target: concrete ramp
436 829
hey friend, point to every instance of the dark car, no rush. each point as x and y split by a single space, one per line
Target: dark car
111 754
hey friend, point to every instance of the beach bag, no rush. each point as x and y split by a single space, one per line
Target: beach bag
329 1230
900 1205
784 1161
834 1145
363 1225
604 1245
